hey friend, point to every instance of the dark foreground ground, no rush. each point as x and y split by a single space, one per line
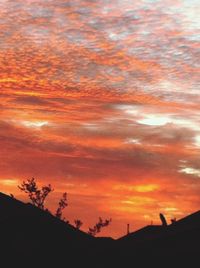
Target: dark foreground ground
30 237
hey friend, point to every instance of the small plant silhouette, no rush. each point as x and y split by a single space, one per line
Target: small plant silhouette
61 206
173 220
98 226
36 195
78 223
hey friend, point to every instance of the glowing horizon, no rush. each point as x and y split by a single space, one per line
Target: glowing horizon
101 99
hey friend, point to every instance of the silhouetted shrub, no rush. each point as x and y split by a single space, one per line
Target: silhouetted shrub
36 195
98 226
61 206
78 223
173 220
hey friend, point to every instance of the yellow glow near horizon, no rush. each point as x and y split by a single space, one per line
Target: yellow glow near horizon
146 188
9 182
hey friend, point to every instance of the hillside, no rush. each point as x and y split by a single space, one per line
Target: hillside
27 232
30 236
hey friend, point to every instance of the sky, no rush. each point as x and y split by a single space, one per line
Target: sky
101 99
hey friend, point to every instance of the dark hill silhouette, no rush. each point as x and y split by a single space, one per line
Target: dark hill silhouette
12 209
28 232
188 222
31 237
152 232
175 243
144 234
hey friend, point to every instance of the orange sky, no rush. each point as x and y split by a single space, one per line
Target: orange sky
101 99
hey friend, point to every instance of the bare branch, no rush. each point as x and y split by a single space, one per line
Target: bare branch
78 223
98 226
36 195
61 206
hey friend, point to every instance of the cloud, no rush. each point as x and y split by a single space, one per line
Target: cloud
31 100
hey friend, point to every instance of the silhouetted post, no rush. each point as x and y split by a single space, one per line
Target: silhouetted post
128 228
163 220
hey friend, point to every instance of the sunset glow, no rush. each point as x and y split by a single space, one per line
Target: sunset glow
101 99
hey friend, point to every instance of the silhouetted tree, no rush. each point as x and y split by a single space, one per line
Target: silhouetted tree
163 220
36 195
98 226
61 206
78 223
